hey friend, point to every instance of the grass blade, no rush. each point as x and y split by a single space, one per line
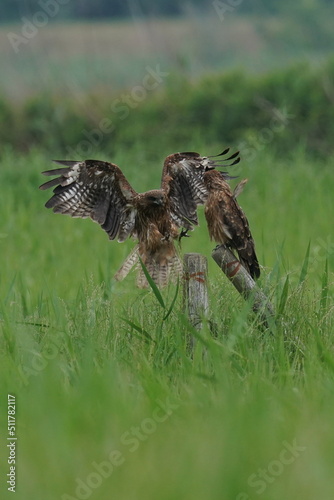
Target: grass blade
304 270
173 301
324 289
191 331
325 356
153 286
138 329
284 296
11 286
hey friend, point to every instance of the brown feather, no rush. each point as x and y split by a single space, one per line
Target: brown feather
183 181
227 223
131 260
100 191
94 189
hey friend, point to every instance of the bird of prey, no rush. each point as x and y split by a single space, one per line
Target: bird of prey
227 223
99 190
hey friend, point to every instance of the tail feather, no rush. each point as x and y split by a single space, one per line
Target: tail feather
131 260
161 272
251 264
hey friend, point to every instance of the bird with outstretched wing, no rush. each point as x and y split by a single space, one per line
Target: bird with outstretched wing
100 191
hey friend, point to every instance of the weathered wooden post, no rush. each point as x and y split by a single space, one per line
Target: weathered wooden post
195 291
243 282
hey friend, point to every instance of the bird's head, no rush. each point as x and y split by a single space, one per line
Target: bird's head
155 198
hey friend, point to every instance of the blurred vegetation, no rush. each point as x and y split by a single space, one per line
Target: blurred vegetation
100 9
282 110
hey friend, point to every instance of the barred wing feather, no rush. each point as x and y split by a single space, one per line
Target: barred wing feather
97 190
182 179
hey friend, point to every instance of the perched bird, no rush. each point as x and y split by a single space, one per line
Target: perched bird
99 190
227 223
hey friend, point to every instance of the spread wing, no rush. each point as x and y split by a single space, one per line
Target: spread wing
182 180
94 189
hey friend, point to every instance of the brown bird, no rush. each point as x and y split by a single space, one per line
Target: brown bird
99 190
227 223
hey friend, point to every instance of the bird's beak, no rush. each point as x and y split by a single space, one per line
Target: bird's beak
159 201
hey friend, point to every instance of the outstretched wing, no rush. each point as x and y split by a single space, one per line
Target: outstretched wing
94 189
182 180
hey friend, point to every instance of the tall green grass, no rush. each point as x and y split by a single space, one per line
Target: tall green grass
111 403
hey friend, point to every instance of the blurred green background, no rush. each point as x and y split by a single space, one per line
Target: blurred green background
221 71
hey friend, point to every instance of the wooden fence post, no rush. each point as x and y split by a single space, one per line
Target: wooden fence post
243 282
195 291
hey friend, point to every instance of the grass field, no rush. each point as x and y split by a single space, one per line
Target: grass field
105 410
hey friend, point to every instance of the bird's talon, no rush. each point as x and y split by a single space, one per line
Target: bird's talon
184 234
